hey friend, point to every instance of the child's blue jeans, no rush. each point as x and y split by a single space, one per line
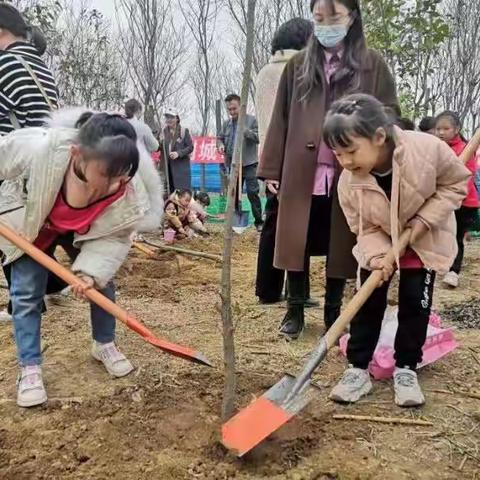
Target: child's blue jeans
28 286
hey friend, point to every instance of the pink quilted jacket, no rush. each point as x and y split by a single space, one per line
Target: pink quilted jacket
429 182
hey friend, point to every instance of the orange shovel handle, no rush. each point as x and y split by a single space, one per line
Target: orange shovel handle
99 299
50 264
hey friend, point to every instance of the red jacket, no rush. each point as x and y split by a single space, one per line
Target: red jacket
471 200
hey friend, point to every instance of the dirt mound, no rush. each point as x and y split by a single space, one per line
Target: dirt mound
163 421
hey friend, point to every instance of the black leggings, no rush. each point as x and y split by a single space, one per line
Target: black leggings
414 307
270 280
466 217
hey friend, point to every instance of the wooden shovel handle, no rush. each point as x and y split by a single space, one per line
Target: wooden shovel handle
342 322
471 147
69 277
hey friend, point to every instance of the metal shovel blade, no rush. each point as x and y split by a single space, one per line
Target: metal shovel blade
265 415
240 221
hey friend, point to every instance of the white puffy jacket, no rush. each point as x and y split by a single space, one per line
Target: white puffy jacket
33 162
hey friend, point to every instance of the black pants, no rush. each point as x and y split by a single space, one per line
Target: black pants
414 306
249 178
465 221
334 290
270 280
318 236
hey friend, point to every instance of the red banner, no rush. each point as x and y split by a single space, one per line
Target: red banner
205 150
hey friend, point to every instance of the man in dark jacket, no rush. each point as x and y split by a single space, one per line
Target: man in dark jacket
226 145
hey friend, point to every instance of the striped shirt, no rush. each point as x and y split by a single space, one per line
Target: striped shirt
18 91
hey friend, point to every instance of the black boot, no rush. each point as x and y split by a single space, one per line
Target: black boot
309 301
293 322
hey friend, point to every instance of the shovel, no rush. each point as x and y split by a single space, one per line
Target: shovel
291 394
100 300
240 217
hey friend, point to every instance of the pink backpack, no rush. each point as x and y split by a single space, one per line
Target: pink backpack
439 343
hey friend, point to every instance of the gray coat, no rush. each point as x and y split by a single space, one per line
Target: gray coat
179 169
250 143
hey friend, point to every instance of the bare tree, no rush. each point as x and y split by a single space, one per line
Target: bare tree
154 50
83 56
229 391
270 15
201 19
456 82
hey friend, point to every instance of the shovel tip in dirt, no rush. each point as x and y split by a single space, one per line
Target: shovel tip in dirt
252 425
202 359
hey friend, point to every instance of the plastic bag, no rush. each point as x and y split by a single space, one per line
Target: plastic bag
439 343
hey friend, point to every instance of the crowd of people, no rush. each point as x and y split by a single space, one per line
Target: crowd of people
345 174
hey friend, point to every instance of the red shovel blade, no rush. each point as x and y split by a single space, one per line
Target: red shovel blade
252 425
169 347
179 351
265 415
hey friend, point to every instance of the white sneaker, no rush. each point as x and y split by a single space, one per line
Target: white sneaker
451 279
30 389
115 362
354 385
407 390
5 317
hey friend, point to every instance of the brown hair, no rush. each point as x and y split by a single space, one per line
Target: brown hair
132 106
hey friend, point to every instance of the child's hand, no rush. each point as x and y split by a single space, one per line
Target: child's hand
419 229
79 290
387 268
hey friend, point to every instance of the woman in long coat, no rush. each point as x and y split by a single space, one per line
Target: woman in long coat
177 148
296 162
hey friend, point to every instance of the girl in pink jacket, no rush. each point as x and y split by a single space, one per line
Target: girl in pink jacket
393 180
448 128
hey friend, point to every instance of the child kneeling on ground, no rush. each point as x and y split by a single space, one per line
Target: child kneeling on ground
72 187
189 218
171 221
393 180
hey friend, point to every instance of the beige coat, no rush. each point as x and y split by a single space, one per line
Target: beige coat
33 161
266 87
429 182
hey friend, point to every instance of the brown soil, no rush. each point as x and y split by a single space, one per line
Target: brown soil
162 422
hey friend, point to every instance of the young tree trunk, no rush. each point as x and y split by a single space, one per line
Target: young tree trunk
229 391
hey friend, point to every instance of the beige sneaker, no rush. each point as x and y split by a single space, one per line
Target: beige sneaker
451 279
30 389
354 385
407 390
115 362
